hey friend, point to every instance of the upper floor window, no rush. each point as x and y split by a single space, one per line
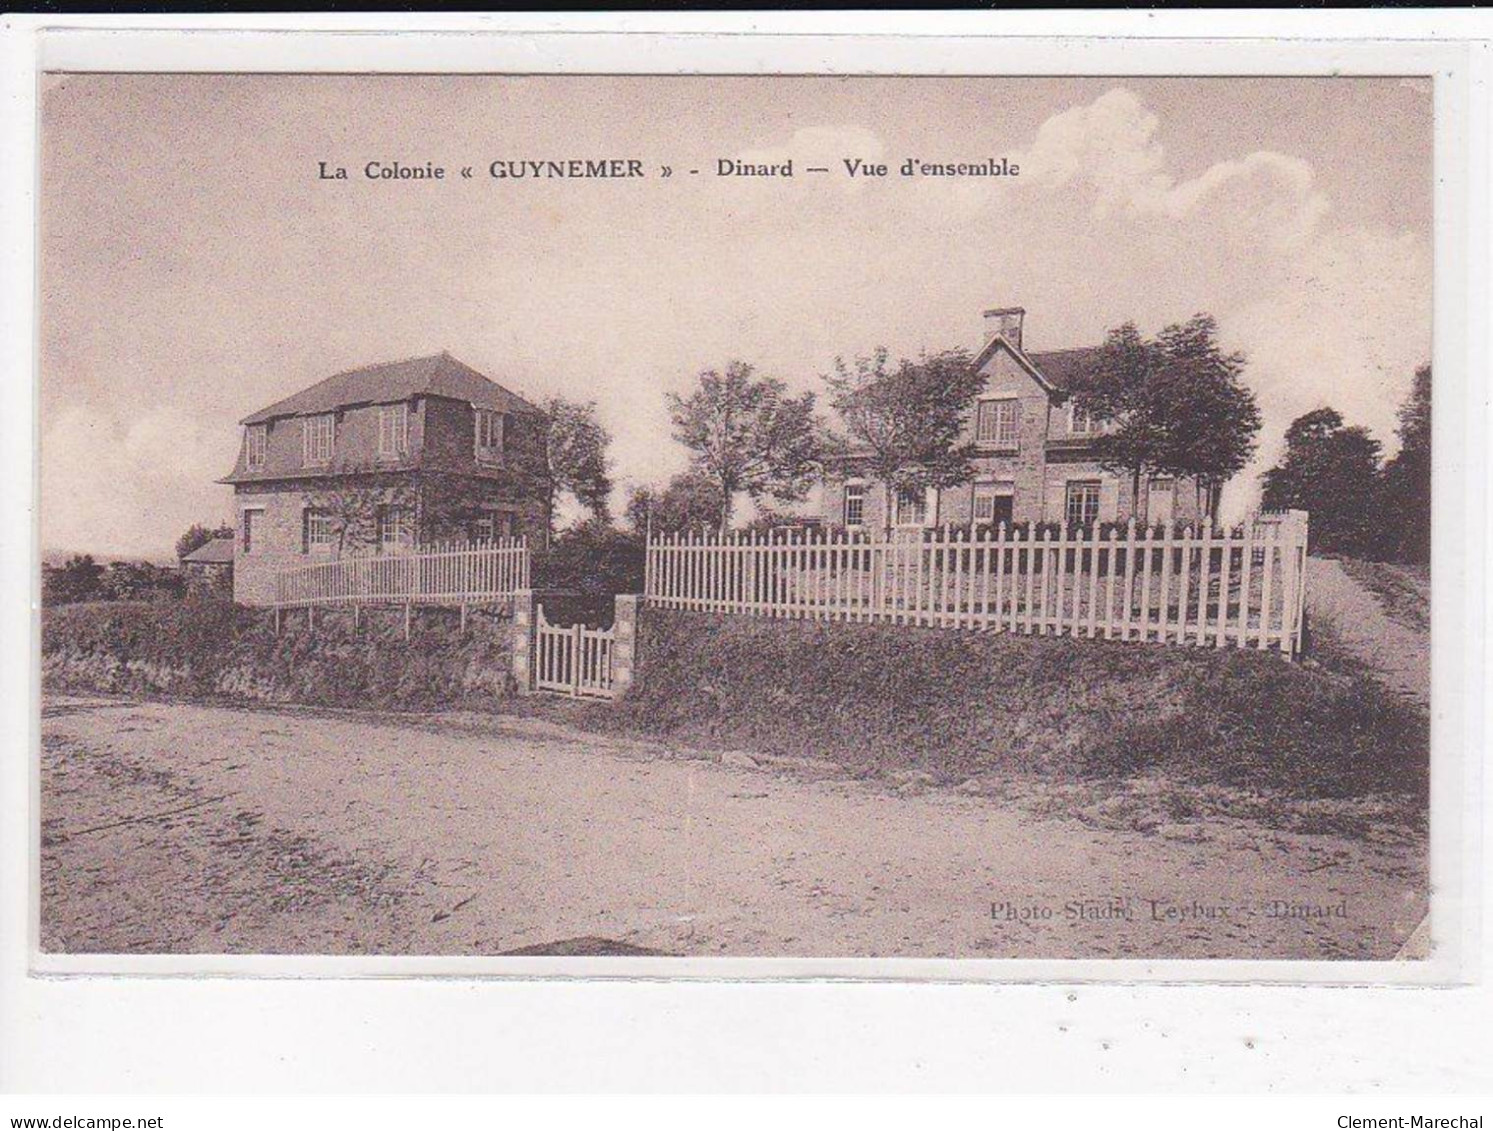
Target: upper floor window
489 434
1081 421
855 504
393 430
996 422
317 436
254 445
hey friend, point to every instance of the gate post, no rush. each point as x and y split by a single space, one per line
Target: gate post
625 643
523 640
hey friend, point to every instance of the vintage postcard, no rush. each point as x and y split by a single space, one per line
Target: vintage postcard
503 520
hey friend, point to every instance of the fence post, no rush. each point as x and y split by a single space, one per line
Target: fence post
625 642
523 640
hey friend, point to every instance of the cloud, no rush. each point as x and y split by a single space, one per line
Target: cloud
1111 146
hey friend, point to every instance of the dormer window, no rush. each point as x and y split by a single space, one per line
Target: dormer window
489 435
254 447
1080 420
318 434
393 430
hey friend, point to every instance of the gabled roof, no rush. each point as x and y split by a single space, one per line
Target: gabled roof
216 552
1068 369
440 375
1059 372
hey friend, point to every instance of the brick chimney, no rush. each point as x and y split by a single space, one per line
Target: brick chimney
1005 321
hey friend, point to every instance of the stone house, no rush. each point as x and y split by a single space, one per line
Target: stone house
208 570
383 459
1034 462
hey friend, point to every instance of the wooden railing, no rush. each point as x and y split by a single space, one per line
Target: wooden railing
455 573
1241 588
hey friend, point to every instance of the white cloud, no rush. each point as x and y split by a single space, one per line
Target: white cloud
1112 147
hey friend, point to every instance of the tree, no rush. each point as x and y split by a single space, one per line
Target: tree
908 424
1332 471
1407 478
1210 419
745 433
1127 389
77 579
198 535
689 502
577 456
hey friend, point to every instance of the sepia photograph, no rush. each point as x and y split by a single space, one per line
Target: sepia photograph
735 516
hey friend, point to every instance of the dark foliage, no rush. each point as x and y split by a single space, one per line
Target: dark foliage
1331 471
1407 478
593 558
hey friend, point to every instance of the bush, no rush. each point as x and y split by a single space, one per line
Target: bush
596 561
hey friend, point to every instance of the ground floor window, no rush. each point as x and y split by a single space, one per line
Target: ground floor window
855 504
491 525
316 532
912 507
1083 502
250 524
1161 506
395 527
994 504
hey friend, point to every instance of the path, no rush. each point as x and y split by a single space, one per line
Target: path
1400 655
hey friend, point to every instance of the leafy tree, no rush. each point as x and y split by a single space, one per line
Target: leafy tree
1127 389
1210 418
746 434
690 502
1332 471
577 455
1175 405
77 579
1407 478
198 535
908 424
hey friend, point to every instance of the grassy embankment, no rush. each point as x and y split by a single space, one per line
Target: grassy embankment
216 650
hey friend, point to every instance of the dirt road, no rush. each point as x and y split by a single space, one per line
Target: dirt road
179 828
1397 653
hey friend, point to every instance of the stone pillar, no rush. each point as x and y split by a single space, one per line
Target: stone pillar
625 644
524 602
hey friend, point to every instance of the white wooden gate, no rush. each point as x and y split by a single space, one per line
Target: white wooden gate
574 660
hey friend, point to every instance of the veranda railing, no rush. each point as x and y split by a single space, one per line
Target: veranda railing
1243 588
452 573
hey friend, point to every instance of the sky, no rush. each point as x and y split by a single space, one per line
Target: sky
194 268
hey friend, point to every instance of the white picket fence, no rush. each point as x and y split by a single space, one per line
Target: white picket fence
1212 588
452 573
573 659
